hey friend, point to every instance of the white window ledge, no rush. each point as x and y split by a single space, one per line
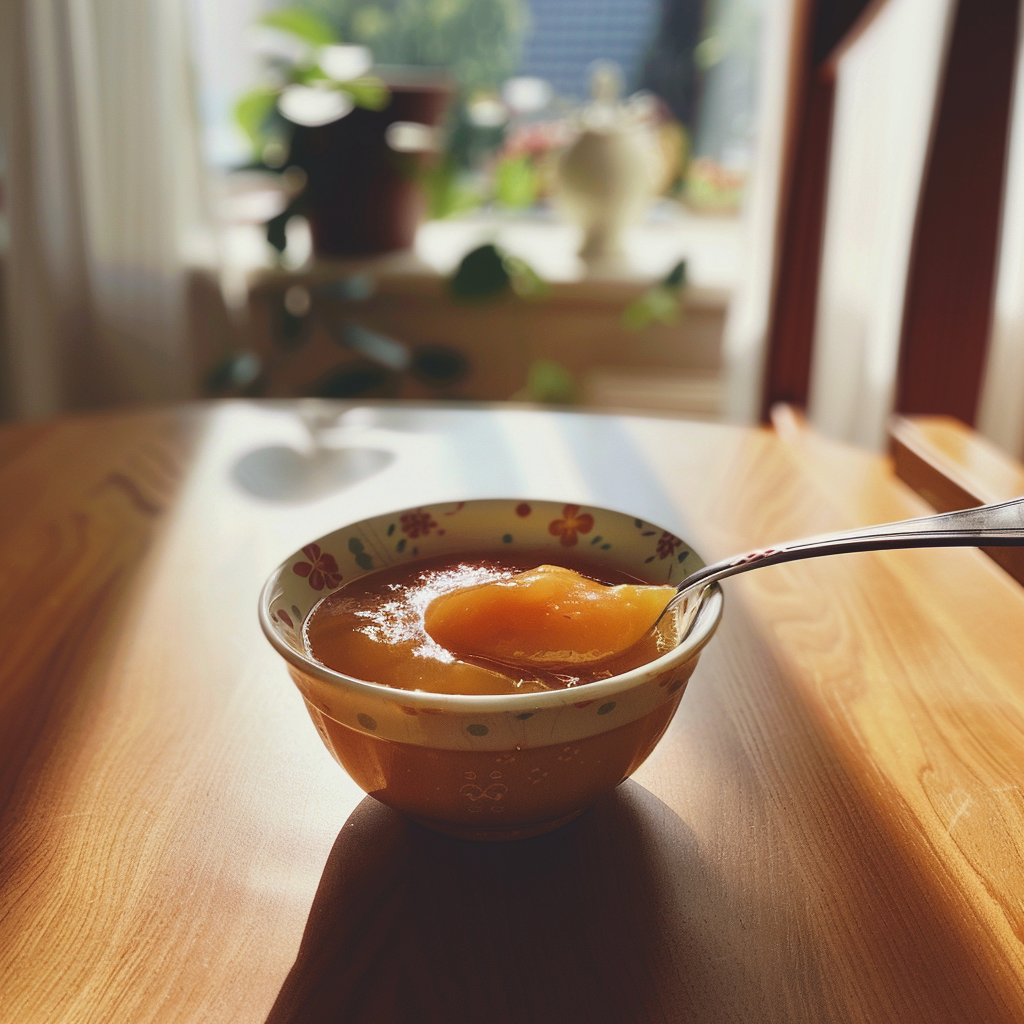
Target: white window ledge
711 246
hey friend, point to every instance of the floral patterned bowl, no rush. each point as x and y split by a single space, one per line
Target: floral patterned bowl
486 766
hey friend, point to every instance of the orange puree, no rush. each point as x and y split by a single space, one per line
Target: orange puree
549 617
482 624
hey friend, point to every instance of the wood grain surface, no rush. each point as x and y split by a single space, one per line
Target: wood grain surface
950 465
832 829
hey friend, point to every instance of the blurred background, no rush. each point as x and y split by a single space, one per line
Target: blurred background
692 207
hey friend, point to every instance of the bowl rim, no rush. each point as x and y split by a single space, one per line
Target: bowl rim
708 618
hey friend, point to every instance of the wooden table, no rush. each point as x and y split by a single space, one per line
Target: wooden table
832 830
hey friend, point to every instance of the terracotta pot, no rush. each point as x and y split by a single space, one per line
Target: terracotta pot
364 197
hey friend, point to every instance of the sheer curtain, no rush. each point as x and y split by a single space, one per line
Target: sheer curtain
886 92
103 185
1001 410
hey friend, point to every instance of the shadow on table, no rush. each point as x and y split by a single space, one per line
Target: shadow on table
281 473
611 918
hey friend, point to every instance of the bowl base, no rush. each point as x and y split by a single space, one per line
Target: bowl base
496 835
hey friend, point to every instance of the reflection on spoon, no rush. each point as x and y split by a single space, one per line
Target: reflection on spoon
282 473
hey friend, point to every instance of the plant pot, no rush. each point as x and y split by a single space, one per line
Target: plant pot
363 197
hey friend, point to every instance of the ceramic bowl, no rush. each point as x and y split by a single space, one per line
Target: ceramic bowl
486 767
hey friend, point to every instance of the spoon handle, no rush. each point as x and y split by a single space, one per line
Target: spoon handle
988 525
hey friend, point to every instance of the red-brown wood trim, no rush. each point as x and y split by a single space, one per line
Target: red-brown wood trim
830 65
948 306
819 29
791 331
952 467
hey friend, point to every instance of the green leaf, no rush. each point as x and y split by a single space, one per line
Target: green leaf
367 92
481 275
525 281
708 52
549 382
251 113
447 194
676 276
370 93
658 304
516 182
302 23
309 75
487 272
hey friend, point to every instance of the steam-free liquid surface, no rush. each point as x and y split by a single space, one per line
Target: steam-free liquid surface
373 628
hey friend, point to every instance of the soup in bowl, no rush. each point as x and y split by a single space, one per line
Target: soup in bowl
513 756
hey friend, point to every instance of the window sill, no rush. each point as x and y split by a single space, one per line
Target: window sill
710 245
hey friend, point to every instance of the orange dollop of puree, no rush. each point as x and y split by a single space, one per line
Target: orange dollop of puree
479 625
549 617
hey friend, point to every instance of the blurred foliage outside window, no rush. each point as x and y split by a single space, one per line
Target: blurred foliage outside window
310 76
728 57
504 132
478 41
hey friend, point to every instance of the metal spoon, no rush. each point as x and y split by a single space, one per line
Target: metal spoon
999 525
989 525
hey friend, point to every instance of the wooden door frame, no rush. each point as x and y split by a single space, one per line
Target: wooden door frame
951 273
822 31
947 313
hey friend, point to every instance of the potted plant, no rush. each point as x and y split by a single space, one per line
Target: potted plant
364 133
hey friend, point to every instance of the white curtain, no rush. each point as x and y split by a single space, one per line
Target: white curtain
103 185
886 93
1001 409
